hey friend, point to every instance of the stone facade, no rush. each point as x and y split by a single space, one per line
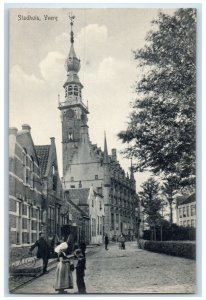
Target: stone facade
85 164
97 215
186 211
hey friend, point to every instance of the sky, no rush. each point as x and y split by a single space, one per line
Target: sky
104 40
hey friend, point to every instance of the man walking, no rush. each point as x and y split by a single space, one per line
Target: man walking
106 241
43 251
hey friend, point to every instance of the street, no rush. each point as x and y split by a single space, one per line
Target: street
126 271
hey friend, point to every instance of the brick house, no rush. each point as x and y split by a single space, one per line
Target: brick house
25 199
54 206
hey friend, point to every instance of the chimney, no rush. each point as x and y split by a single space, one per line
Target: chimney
52 140
114 154
13 131
12 141
26 127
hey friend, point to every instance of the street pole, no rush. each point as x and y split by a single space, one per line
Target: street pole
161 231
138 232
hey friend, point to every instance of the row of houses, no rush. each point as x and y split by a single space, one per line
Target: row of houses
37 201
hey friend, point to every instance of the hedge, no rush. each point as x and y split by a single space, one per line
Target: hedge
172 233
175 248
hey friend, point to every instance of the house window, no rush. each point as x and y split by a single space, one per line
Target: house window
96 177
54 178
112 221
72 179
193 210
184 212
188 211
18 223
98 231
70 135
193 223
80 184
93 227
24 165
32 173
180 212
51 220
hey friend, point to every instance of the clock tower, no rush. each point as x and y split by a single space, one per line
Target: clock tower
73 110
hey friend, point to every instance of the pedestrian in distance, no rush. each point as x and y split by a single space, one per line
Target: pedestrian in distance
121 240
43 251
80 271
106 241
65 267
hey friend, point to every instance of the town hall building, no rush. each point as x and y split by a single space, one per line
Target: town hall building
86 165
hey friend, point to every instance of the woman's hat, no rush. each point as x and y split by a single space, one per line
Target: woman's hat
63 246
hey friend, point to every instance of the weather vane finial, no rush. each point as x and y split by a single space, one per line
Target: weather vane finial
71 17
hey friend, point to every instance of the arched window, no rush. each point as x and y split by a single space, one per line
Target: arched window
70 89
76 90
66 91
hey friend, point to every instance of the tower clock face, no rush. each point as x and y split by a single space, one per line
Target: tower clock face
70 114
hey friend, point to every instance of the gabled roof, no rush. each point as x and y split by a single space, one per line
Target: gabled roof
80 194
186 199
84 214
43 156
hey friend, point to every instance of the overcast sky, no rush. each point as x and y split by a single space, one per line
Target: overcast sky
104 40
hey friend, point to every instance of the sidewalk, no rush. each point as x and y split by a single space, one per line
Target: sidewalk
26 271
21 274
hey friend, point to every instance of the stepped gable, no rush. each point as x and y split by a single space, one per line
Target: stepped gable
43 156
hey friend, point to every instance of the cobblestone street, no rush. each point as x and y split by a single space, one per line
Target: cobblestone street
126 271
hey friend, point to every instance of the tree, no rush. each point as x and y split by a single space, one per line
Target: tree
151 203
161 130
169 189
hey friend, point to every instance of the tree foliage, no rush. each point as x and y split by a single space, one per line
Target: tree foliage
150 201
161 130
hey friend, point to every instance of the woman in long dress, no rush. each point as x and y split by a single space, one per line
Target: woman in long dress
63 277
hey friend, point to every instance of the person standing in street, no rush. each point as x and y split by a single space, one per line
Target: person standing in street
63 275
106 241
42 252
80 271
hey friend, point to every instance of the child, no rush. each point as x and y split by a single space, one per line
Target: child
80 271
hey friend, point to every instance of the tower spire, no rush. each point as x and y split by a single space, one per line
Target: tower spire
106 157
71 17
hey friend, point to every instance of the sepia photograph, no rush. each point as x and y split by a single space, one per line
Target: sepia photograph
102 150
